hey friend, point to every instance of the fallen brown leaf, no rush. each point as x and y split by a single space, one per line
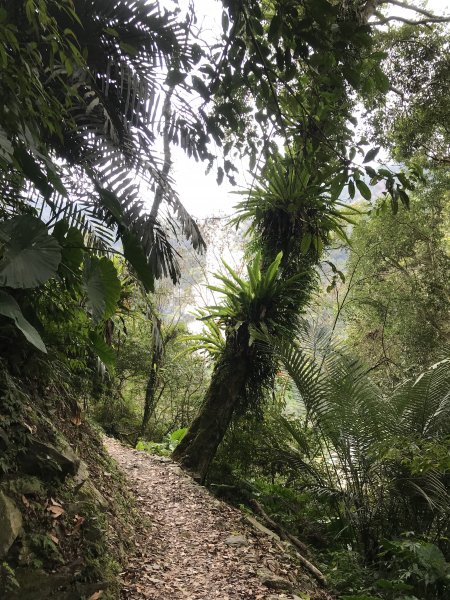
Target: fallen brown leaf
78 522
31 428
179 551
55 510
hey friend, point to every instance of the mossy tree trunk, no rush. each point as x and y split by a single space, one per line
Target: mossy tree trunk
199 446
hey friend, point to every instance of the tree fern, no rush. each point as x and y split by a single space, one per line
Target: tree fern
366 441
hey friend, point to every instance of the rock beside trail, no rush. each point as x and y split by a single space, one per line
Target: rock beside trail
236 540
10 524
85 488
274 582
46 461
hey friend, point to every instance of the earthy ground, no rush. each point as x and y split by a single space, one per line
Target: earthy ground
193 546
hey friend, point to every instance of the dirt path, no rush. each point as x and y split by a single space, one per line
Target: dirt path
195 546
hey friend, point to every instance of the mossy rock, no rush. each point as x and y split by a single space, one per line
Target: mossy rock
88 491
10 524
24 486
48 461
85 488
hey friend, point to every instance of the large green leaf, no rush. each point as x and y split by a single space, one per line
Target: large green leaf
9 308
104 352
30 255
102 287
71 241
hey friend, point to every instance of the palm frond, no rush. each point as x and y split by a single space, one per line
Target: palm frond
423 406
130 46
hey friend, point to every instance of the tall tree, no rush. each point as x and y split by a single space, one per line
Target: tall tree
304 60
291 210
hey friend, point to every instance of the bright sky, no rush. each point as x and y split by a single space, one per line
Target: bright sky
200 193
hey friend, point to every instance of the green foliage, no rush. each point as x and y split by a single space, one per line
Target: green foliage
38 264
412 122
348 575
398 299
291 210
263 298
296 61
30 256
344 407
419 569
8 581
166 447
360 451
178 387
65 125
9 308
211 341
102 287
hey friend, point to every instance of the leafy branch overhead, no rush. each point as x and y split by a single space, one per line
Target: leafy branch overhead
81 84
95 114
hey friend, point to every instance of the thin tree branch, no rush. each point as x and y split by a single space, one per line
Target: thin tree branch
407 6
426 21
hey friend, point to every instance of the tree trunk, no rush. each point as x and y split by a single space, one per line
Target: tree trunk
150 395
199 446
152 381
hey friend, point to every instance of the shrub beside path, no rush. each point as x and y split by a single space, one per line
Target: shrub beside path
192 546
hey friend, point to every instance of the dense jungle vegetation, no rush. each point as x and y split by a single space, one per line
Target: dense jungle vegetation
315 383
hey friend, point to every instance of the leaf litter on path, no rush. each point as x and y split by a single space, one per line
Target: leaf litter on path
181 551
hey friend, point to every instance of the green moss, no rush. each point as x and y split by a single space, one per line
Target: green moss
24 486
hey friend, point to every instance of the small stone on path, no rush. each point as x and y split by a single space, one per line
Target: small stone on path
236 540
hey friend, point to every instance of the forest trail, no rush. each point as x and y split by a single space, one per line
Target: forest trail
192 546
